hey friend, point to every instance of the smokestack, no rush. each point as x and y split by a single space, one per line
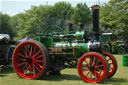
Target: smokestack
95 10
70 26
81 26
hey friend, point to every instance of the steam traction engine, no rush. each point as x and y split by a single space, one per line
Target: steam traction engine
52 52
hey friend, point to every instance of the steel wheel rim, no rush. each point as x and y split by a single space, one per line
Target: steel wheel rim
28 60
98 76
121 50
112 64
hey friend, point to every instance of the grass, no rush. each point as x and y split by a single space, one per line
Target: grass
68 77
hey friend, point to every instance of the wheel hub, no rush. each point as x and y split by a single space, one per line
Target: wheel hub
29 60
91 68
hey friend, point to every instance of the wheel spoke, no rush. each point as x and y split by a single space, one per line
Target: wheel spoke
38 57
91 61
111 63
22 59
22 63
25 66
85 70
27 69
34 50
26 53
100 71
99 66
91 75
34 73
39 65
36 54
98 62
36 67
30 53
85 66
87 62
30 69
109 59
94 61
97 74
88 73
22 55
27 49
40 61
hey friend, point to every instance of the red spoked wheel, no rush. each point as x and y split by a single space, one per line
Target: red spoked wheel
112 64
92 67
29 60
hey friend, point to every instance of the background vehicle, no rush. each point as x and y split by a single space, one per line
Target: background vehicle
112 45
6 49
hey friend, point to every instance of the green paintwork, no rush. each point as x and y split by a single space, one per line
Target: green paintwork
47 41
78 51
125 60
104 38
79 35
62 40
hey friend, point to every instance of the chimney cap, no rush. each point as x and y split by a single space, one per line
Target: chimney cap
70 22
95 7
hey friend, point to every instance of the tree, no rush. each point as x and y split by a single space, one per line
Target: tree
82 14
114 15
14 24
38 18
5 27
62 12
34 20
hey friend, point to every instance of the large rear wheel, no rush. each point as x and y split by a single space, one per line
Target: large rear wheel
92 67
112 64
30 59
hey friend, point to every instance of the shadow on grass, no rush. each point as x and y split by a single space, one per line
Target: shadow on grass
2 75
114 81
61 77
6 70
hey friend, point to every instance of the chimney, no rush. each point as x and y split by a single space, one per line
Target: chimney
70 26
95 10
81 26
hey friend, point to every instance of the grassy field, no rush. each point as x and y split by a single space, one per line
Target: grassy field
68 77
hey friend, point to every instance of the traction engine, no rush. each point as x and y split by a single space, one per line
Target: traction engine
50 52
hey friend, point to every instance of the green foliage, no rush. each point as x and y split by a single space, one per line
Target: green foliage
34 20
114 15
63 12
5 26
82 14
38 18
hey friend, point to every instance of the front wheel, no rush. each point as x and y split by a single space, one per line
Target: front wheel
92 67
30 60
121 50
